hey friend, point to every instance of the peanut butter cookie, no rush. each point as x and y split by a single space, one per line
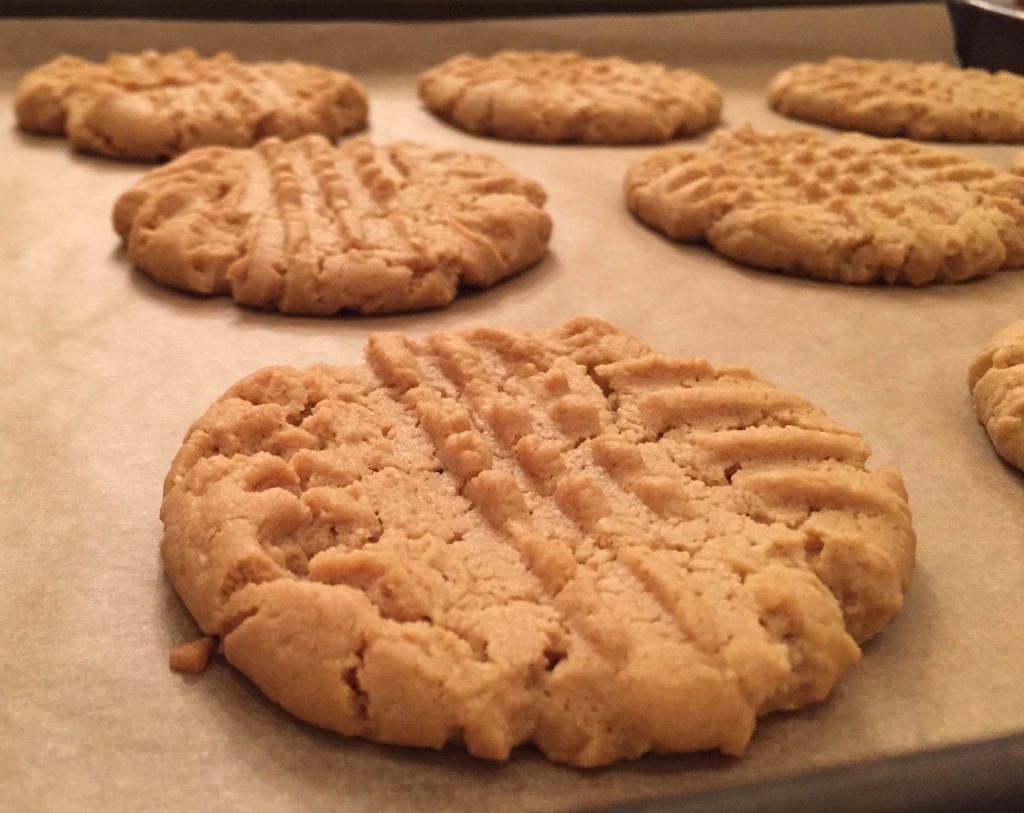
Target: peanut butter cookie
926 101
996 381
307 227
852 209
152 106
494 537
564 96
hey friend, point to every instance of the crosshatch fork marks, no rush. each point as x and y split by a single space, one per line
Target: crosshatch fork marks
151 106
478 538
563 96
306 227
996 382
851 209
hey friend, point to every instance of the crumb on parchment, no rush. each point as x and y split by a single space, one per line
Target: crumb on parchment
192 657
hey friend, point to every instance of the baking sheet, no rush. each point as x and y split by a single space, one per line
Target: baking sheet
101 372
373 9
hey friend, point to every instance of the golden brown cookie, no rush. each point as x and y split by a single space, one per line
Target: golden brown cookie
564 96
151 106
996 381
852 209
307 227
927 101
494 537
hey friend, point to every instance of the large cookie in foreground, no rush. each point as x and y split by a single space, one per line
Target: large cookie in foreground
996 381
496 537
563 96
927 101
151 106
851 209
306 227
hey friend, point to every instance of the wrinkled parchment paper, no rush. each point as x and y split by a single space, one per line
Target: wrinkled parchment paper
101 372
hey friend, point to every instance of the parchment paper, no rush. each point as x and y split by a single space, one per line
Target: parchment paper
101 372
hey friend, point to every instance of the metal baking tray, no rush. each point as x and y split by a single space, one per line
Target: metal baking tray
382 9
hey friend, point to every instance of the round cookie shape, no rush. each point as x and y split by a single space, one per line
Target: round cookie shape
565 97
926 101
852 208
495 537
151 106
306 227
996 382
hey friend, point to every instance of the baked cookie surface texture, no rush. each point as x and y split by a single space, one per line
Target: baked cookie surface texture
496 537
996 381
927 101
566 97
152 105
307 227
851 208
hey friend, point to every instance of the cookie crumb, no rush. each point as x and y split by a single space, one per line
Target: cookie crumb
192 657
